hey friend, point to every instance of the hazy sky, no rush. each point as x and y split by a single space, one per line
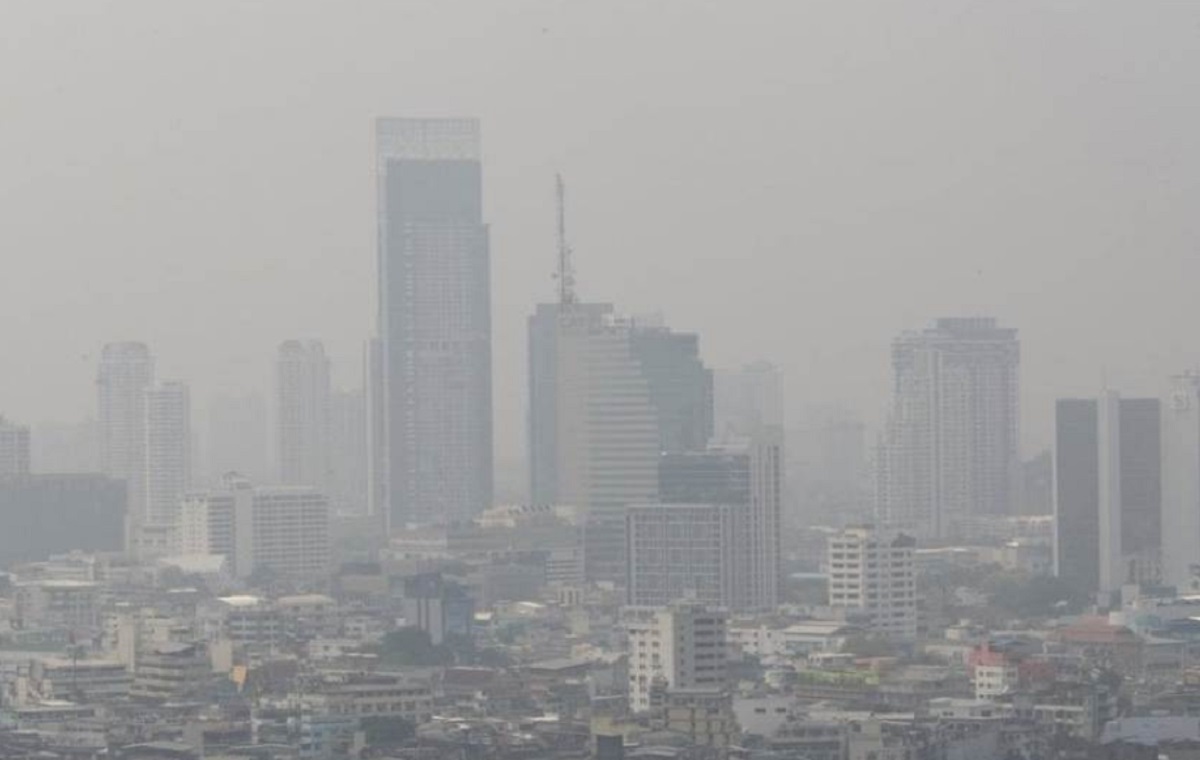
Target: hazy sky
795 180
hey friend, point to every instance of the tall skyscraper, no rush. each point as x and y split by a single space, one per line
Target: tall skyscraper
126 371
302 414
1181 484
168 451
14 448
681 387
1108 500
949 448
594 430
434 319
237 439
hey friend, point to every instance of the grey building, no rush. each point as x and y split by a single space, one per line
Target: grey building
949 448
126 372
594 434
1108 491
42 515
434 319
681 387
302 399
14 448
744 476
682 551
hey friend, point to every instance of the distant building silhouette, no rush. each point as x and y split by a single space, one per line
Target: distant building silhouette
168 455
434 319
949 448
302 398
14 448
1108 500
126 372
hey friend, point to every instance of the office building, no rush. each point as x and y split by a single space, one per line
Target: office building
1108 492
237 439
681 387
748 399
872 580
41 515
14 448
168 451
302 414
126 372
593 426
282 530
949 447
1181 484
680 648
434 319
682 551
745 476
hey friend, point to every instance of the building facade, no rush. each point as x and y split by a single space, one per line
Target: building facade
679 648
872 576
283 529
949 448
14 448
126 372
681 551
594 430
168 451
302 398
1181 484
434 319
1108 492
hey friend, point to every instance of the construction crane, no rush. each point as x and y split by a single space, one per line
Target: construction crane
566 271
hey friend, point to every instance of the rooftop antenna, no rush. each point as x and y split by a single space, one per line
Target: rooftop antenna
566 273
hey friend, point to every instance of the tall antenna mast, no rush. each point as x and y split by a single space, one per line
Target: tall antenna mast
566 273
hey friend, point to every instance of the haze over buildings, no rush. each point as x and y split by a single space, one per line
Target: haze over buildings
401 502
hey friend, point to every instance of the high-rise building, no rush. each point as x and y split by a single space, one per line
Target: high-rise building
747 399
348 452
1181 484
283 529
1108 500
14 448
434 319
678 648
302 414
41 515
682 551
949 448
745 475
237 439
827 465
168 451
594 431
126 371
681 387
872 575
